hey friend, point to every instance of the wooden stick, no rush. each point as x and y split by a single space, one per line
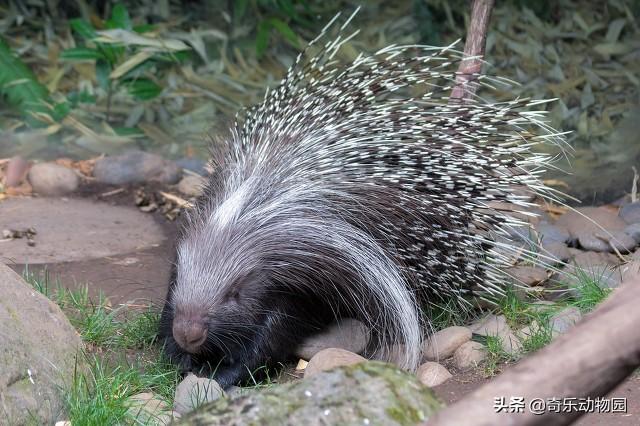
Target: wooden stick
587 362
474 47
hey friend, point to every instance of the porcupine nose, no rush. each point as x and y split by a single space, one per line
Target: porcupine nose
190 334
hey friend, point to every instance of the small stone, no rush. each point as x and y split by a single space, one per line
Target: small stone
63 423
496 326
552 233
622 242
530 330
442 344
233 391
330 358
302 364
510 343
586 259
194 391
136 167
630 213
16 171
148 409
348 334
191 185
633 231
432 374
195 165
597 229
528 275
52 179
554 253
469 355
564 320
491 325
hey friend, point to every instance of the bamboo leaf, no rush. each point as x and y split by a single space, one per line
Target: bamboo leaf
21 89
144 89
120 17
81 54
83 28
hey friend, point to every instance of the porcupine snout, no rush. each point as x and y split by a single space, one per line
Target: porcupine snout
190 332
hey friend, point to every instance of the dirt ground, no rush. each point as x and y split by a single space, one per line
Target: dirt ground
142 276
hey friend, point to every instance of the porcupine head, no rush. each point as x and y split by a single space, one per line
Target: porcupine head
341 195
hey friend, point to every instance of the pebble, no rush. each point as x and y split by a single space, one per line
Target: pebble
597 229
554 253
432 374
469 355
530 330
633 231
564 320
630 213
511 344
194 391
549 233
191 186
330 358
496 326
53 179
135 167
491 325
195 165
149 409
528 275
16 171
442 344
348 334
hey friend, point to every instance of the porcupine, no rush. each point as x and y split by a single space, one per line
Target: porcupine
341 195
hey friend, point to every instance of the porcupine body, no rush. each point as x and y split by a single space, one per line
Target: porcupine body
343 196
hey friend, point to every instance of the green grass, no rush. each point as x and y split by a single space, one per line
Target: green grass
586 293
589 291
121 359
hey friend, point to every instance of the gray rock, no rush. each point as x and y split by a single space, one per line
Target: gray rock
496 326
52 179
136 167
491 325
149 409
633 231
511 344
195 165
432 374
469 355
330 358
38 348
554 253
552 233
442 344
527 275
191 185
367 393
596 229
564 320
16 171
630 213
349 334
194 391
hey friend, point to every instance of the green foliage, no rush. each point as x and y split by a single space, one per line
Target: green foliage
108 56
22 90
276 18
